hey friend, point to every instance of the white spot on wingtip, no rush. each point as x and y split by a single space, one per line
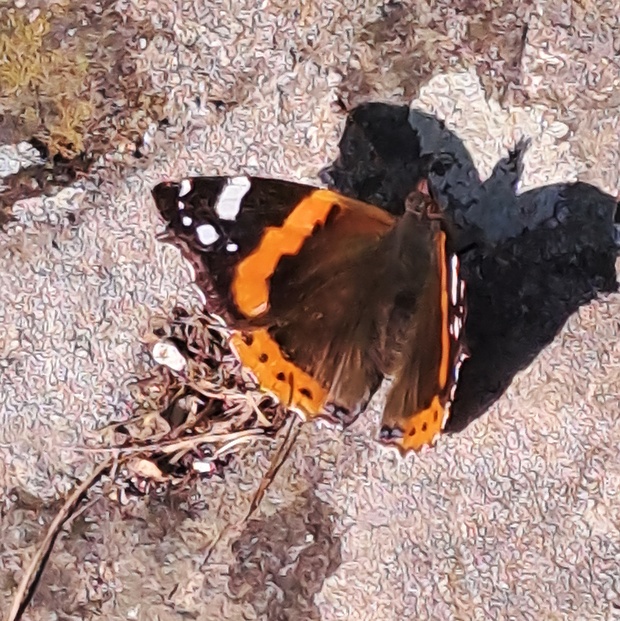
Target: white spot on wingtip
181 205
186 186
207 234
187 221
454 277
228 203
232 247
456 326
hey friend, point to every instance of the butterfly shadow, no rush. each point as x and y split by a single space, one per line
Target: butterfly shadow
529 261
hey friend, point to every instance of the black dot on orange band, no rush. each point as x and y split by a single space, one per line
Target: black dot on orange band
435 416
248 339
423 426
412 432
280 376
305 392
263 357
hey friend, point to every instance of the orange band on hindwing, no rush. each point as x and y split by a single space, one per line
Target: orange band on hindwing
257 351
250 286
445 311
423 428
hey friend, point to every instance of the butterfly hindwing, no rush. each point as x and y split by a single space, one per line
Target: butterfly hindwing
418 403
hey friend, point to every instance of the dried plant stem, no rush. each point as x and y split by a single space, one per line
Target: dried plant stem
202 438
28 583
170 446
278 460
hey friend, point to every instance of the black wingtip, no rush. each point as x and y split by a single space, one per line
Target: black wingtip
166 195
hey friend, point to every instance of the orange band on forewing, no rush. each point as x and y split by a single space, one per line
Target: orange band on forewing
250 286
293 387
445 312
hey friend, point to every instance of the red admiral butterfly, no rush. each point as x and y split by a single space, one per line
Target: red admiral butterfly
326 296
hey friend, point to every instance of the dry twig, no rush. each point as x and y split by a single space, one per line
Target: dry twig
28 583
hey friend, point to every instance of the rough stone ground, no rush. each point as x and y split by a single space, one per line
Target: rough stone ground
517 517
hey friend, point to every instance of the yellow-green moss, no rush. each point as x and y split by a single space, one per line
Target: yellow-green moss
44 87
66 81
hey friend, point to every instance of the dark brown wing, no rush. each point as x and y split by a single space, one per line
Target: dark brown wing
323 293
341 306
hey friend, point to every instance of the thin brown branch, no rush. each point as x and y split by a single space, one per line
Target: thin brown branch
33 572
276 463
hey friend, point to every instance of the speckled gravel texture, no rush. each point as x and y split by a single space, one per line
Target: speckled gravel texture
516 517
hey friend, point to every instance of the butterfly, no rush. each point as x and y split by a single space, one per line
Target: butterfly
326 296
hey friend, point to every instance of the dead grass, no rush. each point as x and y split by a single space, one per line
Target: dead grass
68 78
190 421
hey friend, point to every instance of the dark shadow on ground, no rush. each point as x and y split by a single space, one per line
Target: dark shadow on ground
281 562
536 257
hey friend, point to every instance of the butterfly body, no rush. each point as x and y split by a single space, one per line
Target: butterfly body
327 296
